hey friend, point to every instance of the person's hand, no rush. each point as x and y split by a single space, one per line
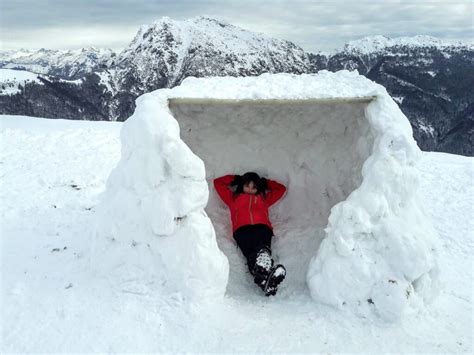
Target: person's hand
237 180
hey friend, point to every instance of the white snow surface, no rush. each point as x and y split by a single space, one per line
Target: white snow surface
51 175
378 240
323 85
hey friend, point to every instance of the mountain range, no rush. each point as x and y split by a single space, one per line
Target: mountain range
430 79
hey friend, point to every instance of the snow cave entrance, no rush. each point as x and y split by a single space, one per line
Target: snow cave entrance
316 147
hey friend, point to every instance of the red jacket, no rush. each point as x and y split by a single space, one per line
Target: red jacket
245 208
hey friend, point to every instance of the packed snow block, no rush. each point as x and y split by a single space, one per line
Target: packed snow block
153 234
350 228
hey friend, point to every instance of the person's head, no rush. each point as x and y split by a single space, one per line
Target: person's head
250 188
250 183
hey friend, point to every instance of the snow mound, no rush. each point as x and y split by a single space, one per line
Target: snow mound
350 229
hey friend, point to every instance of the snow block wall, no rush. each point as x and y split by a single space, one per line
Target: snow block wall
350 228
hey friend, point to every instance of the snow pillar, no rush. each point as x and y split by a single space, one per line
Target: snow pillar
153 234
379 254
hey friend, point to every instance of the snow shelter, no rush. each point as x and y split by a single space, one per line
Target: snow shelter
350 229
315 146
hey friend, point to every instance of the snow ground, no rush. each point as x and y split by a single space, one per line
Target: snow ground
52 172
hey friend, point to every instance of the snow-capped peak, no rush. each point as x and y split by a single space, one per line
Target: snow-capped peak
209 45
373 44
201 29
8 55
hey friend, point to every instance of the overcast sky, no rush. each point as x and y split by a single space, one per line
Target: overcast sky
312 24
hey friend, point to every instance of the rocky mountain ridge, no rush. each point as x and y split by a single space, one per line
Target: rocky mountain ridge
65 64
429 78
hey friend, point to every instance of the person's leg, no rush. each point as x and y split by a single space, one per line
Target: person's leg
251 239
245 241
262 243
255 243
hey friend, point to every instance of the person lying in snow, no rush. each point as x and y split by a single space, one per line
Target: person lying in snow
249 197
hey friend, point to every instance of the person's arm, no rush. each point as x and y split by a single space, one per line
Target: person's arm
221 185
275 191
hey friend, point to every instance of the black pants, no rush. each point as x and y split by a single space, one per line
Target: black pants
251 238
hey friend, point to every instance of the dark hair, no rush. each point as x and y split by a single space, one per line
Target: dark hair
241 180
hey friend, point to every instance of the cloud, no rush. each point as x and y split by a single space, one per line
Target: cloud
314 25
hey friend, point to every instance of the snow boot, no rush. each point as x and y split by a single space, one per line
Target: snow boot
277 275
263 262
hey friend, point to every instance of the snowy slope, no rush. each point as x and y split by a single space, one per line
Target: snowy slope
51 173
11 80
